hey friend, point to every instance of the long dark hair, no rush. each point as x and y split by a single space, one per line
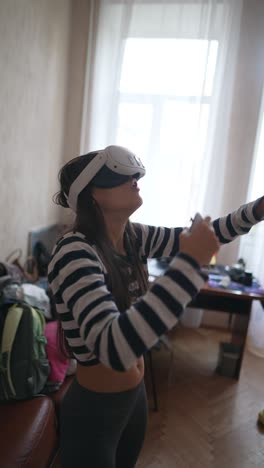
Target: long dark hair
90 222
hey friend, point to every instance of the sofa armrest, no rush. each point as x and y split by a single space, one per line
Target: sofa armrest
28 433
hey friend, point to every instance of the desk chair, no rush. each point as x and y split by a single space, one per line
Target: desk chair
163 341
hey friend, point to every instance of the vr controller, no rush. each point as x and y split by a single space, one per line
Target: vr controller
196 220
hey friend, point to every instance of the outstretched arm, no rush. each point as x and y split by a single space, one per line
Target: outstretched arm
239 222
155 242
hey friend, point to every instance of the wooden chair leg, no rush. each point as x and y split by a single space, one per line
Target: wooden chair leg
153 381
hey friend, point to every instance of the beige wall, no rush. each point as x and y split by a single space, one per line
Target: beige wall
34 52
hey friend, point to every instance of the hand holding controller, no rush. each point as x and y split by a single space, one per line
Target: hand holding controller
200 240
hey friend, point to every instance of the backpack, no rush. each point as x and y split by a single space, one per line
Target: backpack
24 367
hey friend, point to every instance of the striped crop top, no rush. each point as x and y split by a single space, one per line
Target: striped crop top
95 329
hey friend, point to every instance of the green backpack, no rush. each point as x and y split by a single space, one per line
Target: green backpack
24 367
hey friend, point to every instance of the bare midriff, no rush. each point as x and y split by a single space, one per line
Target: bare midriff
100 378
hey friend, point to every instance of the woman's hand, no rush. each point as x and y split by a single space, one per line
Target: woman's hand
200 242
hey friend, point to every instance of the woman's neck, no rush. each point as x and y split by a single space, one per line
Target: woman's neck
115 230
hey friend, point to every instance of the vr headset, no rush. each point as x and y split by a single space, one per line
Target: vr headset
110 167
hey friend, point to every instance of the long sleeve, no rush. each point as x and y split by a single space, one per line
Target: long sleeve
155 242
237 223
89 314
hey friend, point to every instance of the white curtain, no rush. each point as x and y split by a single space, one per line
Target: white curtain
252 245
160 77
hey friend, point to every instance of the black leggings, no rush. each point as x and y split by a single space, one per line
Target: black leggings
102 430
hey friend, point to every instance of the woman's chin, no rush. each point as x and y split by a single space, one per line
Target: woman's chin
134 207
137 204
139 201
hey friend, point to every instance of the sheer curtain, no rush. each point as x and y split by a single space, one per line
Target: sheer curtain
252 245
160 76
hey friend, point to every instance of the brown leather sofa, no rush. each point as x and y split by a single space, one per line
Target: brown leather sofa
29 430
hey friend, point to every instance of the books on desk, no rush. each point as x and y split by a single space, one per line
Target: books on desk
218 277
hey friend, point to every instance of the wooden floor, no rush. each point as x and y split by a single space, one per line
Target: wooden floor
204 420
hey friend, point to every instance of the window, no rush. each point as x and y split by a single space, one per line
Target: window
165 93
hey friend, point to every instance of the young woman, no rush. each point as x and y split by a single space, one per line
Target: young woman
109 315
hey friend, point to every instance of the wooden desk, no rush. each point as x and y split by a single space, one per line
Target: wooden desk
221 300
233 302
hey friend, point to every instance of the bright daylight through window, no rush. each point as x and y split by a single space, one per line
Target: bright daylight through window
162 102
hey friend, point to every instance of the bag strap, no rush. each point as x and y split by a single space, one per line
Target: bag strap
39 315
10 328
38 331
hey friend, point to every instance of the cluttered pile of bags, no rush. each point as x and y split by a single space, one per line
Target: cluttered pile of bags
30 361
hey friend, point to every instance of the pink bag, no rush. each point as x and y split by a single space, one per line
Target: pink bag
58 363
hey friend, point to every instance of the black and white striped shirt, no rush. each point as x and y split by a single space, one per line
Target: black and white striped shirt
94 327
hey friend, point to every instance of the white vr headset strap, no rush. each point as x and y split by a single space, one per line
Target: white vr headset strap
85 177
